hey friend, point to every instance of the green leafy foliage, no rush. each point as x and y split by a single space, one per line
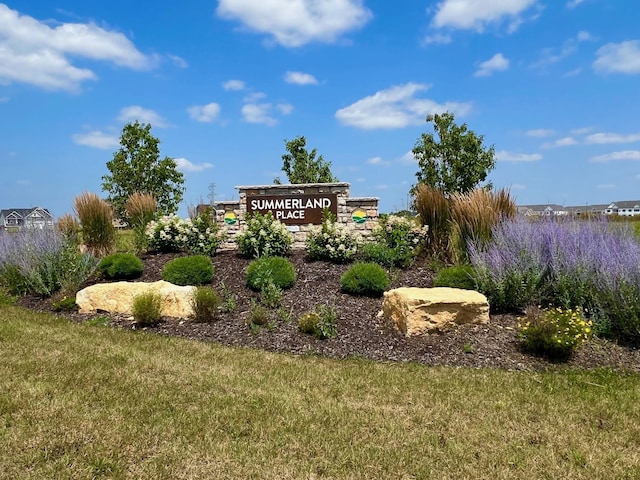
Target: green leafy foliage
137 167
65 304
395 242
206 304
193 270
270 295
331 242
302 166
147 308
554 333
320 322
120 266
458 276
365 278
258 315
276 270
264 236
455 161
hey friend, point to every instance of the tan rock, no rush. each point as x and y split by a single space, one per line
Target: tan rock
117 297
420 311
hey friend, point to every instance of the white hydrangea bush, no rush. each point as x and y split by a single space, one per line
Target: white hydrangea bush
200 236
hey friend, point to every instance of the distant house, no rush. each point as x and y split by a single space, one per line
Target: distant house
626 208
546 210
592 210
17 218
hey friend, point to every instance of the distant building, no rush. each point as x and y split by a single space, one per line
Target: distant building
598 209
546 210
625 208
17 218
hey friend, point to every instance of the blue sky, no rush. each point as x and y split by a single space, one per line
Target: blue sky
553 85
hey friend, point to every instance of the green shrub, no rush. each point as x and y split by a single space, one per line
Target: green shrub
395 242
5 297
96 220
554 333
66 304
206 303
264 236
194 270
258 314
276 270
308 322
331 242
385 256
367 279
459 276
271 295
200 236
147 308
120 266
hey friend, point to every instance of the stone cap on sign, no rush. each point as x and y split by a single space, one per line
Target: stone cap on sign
362 199
291 185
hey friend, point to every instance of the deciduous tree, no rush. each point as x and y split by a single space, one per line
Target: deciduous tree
137 167
302 166
453 158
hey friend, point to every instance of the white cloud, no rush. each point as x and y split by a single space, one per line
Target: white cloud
293 23
438 39
254 97
186 166
395 107
378 161
233 85
550 56
496 63
606 186
475 15
23 182
506 156
602 138
300 78
36 53
258 113
581 130
285 108
584 36
574 3
539 132
142 115
408 158
561 142
517 186
623 57
178 61
96 139
624 155
204 113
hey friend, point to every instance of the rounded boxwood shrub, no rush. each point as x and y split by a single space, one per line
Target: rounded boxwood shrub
276 270
193 270
460 276
120 266
368 279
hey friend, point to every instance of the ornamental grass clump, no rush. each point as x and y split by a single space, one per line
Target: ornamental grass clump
206 304
264 236
140 209
147 308
554 333
96 220
331 242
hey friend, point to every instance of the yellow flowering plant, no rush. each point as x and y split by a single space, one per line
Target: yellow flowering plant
554 332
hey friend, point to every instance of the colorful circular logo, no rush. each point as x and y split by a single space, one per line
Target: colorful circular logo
359 216
230 218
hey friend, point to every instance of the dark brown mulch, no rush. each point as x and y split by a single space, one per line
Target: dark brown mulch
361 333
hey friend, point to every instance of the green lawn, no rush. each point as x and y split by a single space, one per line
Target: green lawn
81 401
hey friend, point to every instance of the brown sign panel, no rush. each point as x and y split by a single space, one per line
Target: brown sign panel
294 209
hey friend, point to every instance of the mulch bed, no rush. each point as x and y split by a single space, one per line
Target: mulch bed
361 333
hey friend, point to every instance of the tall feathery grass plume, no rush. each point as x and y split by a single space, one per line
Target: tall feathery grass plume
96 220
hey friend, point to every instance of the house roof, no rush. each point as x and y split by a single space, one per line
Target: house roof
625 204
23 212
542 207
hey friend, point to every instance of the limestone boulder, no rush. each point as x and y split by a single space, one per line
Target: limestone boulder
420 311
117 297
